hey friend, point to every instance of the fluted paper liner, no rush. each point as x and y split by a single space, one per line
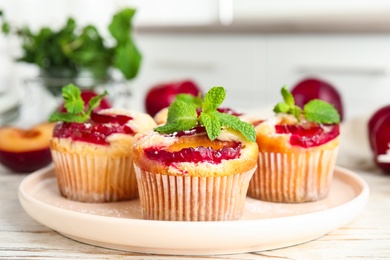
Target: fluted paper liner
95 178
293 177
188 198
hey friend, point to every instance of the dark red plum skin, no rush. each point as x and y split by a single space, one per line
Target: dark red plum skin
313 88
25 162
379 135
162 95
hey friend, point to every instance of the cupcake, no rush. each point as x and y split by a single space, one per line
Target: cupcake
297 152
198 165
92 151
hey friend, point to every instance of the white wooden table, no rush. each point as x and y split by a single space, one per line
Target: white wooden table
368 236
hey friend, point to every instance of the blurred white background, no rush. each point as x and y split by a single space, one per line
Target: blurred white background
252 48
40 13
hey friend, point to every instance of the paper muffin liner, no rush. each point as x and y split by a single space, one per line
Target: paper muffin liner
95 178
293 177
188 198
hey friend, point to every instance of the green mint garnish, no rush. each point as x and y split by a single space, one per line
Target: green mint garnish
182 115
321 112
316 110
75 107
196 101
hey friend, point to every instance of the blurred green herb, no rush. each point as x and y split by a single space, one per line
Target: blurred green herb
76 48
75 107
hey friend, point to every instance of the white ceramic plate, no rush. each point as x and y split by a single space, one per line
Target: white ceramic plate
264 225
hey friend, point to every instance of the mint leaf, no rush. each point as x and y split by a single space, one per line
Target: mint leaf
5 28
127 59
233 122
171 128
94 102
180 110
190 99
213 99
321 112
65 117
316 110
181 116
212 124
296 112
288 105
288 97
121 25
75 106
73 102
281 107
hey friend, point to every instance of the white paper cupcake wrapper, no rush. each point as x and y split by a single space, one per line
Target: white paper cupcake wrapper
186 198
293 177
95 178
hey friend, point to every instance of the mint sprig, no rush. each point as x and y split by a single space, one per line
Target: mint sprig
190 99
321 112
182 115
316 110
75 106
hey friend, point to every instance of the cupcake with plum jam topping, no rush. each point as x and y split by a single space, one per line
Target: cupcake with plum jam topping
198 165
91 151
297 152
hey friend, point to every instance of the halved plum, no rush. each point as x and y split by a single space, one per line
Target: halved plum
25 150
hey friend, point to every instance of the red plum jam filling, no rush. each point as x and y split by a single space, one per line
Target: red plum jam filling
229 111
225 110
309 135
195 154
95 130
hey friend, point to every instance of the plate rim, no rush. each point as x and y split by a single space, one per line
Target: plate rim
29 203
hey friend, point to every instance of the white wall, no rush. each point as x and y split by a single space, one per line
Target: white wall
254 67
